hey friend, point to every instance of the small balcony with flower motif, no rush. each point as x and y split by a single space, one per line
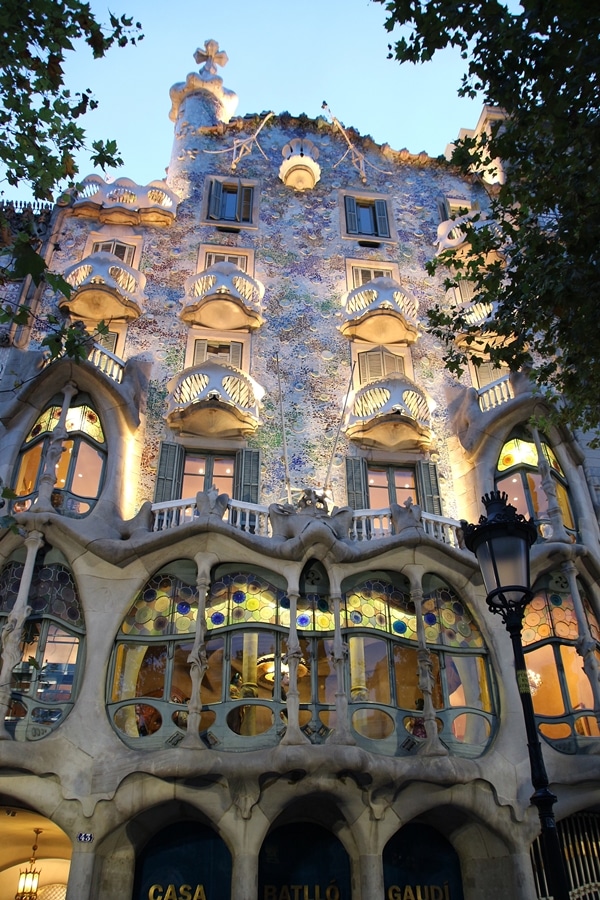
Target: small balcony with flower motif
391 413
214 400
380 307
123 202
104 288
223 297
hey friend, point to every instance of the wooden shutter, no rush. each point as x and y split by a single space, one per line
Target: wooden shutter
170 472
357 483
244 203
215 200
428 488
247 476
392 363
351 215
235 354
370 366
108 341
383 228
103 247
199 352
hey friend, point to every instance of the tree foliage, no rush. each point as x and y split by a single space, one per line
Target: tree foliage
536 256
39 115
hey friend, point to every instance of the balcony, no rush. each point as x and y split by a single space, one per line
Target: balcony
223 297
214 400
123 202
391 413
251 518
104 288
380 307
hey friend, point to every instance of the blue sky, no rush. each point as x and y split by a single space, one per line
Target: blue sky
283 55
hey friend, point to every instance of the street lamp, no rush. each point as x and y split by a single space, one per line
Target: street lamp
501 542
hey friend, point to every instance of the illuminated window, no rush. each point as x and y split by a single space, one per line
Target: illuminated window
519 475
44 683
561 691
80 469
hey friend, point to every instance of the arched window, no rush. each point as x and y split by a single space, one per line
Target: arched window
80 468
44 684
561 691
518 473
381 631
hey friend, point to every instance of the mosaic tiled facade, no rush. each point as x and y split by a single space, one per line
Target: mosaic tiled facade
245 652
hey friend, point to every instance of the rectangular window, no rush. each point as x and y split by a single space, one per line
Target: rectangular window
125 252
363 274
377 363
108 341
182 473
231 201
229 352
238 259
375 486
390 484
366 217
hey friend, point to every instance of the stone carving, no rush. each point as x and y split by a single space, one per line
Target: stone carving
407 516
211 503
289 520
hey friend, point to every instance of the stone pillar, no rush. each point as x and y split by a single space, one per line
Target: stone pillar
371 875
198 665
81 874
293 734
432 746
54 453
12 632
244 876
342 733
549 488
586 645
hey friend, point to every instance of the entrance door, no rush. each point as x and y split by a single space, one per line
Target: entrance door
185 861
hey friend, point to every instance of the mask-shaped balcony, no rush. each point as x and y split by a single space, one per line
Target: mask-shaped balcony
214 400
223 297
476 313
123 202
104 288
380 307
391 413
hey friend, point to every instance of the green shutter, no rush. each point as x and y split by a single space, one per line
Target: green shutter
383 228
215 200
244 204
428 488
356 482
247 476
170 472
351 215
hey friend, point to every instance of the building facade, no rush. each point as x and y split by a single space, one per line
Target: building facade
245 653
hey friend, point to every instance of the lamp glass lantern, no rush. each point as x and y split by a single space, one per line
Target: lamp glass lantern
30 876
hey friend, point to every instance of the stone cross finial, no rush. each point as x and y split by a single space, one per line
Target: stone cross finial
211 56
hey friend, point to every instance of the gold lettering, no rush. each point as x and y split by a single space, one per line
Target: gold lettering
285 893
185 892
270 892
436 892
332 892
171 893
408 896
296 888
394 892
424 896
317 892
306 897
200 895
152 895
446 890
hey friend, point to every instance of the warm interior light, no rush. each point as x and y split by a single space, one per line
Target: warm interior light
29 877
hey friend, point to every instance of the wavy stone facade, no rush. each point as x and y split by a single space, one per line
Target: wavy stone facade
245 652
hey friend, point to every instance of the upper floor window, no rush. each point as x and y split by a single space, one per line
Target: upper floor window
363 274
183 472
125 252
237 259
376 485
377 363
232 201
44 682
230 352
366 217
518 473
80 469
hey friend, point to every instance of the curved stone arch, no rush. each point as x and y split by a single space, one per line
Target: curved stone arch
54 854
118 850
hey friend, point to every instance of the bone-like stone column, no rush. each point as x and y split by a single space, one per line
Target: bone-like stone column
293 734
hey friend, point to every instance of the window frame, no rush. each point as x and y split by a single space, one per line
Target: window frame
116 234
353 266
382 219
401 351
207 250
198 333
214 199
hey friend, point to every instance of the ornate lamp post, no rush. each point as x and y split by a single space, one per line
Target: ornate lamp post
501 542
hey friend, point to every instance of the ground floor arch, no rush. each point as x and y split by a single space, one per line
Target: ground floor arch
53 853
303 861
419 863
